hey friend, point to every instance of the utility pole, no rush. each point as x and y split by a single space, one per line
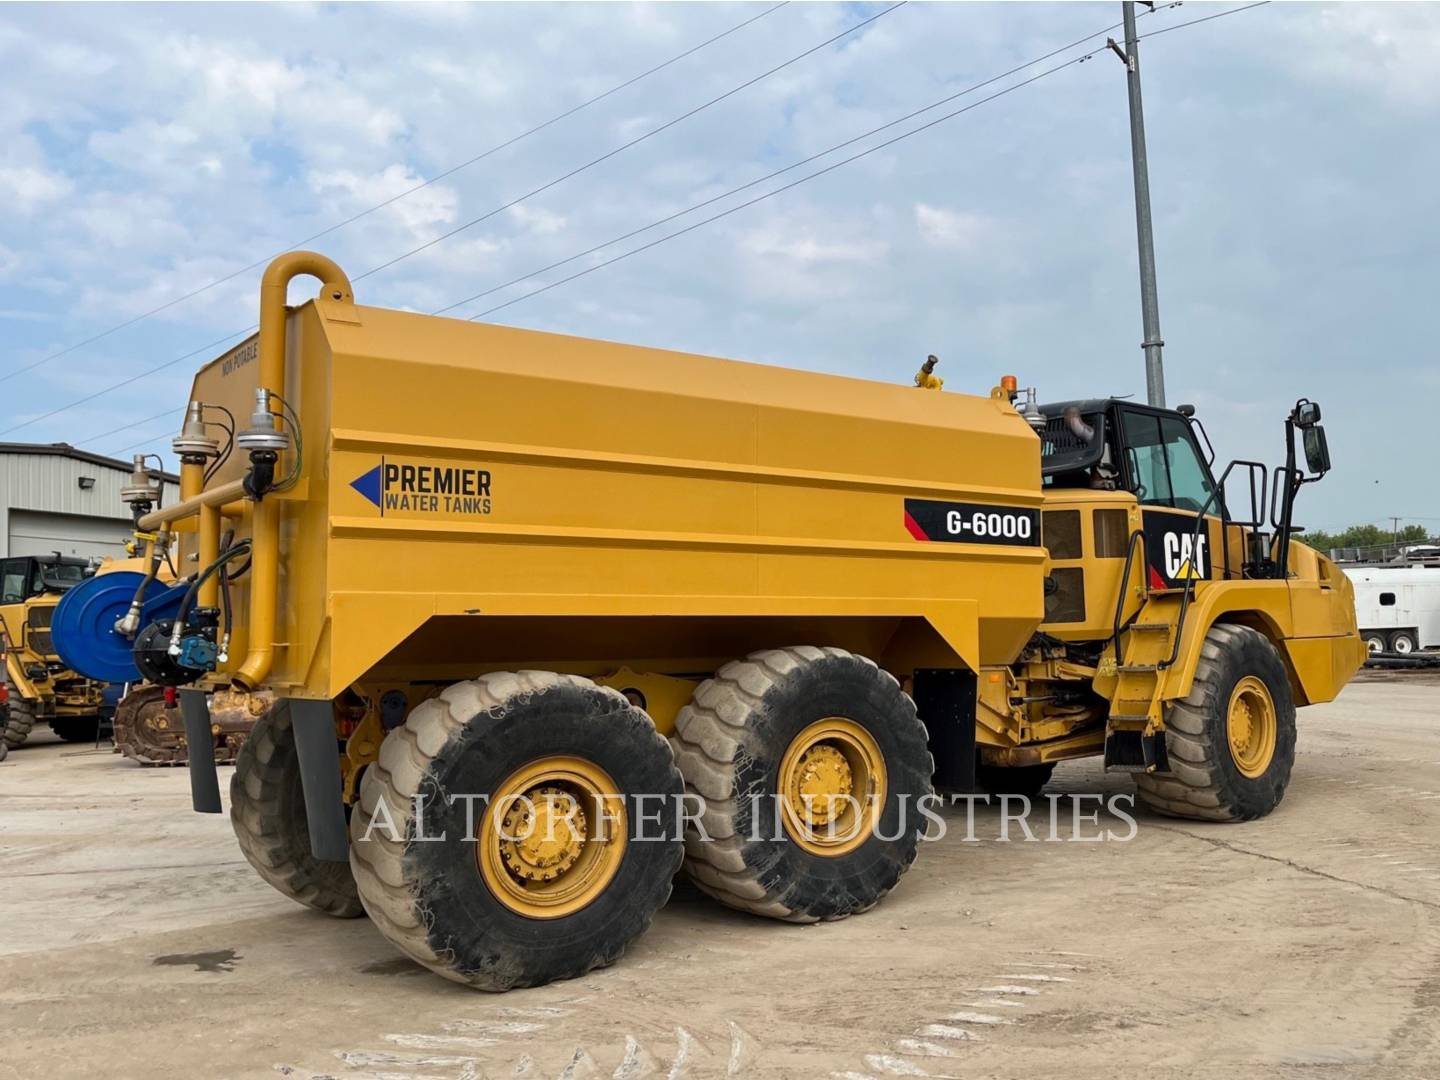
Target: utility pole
1149 301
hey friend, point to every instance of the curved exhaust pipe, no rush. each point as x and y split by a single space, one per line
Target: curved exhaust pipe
265 569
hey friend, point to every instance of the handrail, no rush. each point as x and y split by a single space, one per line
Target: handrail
1138 534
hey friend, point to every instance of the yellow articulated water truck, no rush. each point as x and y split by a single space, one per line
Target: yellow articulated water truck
546 619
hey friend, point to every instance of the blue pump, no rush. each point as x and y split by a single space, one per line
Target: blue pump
83 628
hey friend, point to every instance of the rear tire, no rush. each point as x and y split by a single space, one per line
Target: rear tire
1403 643
1375 642
267 811
732 742
20 720
451 906
1226 764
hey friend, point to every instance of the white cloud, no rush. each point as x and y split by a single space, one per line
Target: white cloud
810 246
956 230
429 206
536 220
1390 48
28 187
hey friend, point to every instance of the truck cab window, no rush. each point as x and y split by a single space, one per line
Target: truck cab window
13 574
1165 465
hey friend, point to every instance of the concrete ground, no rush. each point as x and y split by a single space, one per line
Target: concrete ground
135 942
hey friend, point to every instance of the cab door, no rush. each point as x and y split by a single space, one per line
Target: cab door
1164 468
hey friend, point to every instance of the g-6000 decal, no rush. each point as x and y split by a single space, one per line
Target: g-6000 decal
972 523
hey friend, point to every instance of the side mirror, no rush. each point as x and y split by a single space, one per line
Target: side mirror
1317 450
1307 413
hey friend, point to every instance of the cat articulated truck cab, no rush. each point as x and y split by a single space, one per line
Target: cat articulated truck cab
547 619
39 685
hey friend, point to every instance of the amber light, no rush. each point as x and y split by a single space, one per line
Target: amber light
1009 383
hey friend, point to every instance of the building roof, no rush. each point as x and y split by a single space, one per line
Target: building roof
66 450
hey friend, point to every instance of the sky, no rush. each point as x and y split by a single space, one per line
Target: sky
149 150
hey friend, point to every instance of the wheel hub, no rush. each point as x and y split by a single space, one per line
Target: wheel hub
552 837
832 787
1251 726
822 780
544 834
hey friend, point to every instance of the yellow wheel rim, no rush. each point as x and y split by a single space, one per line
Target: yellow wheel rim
832 787
552 837
1251 725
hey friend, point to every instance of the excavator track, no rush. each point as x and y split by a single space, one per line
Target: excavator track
150 731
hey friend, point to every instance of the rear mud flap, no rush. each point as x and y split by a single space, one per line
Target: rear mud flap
945 698
204 781
314 725
1135 751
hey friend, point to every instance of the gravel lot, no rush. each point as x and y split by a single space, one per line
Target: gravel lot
135 942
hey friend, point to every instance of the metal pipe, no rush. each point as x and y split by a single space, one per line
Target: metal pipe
209 552
1145 233
264 584
265 525
217 496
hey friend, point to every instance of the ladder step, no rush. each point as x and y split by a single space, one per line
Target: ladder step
1137 718
1154 628
1137 667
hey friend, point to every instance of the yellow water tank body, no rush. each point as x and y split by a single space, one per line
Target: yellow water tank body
477 497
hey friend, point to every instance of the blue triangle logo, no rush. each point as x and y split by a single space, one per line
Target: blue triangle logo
369 485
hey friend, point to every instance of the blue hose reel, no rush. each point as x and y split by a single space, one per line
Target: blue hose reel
83 628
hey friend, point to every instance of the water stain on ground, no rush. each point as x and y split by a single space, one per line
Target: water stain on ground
219 962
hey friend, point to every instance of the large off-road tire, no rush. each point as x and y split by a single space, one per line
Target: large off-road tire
1026 780
20 719
76 729
481 912
1228 761
736 744
267 810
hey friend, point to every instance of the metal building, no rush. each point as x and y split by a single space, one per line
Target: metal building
54 497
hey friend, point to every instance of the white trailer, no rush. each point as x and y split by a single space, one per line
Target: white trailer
1397 607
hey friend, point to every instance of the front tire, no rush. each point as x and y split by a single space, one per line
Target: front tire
20 720
267 811
1376 642
802 719
1231 741
475 890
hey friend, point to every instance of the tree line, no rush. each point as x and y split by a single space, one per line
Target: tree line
1364 536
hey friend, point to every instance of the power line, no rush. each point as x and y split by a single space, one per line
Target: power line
832 167
401 195
789 168
633 142
132 379
167 433
126 427
513 202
